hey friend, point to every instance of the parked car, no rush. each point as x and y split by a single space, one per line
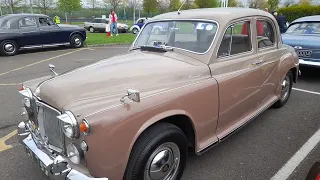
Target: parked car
190 88
99 25
26 31
304 35
159 29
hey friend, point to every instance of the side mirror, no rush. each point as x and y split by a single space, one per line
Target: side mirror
51 68
134 95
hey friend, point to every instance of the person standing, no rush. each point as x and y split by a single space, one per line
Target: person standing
282 22
113 19
56 19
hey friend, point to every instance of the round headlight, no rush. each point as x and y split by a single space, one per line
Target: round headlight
74 154
70 125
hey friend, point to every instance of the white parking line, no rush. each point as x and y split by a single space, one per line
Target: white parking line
302 90
297 158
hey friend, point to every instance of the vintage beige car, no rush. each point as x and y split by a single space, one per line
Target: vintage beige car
137 116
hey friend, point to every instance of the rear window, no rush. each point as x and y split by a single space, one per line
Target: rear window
4 24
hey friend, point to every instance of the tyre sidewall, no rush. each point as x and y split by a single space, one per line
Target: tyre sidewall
73 44
168 136
5 53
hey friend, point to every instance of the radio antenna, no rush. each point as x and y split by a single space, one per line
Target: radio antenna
181 6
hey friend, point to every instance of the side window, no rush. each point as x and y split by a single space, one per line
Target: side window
45 21
237 39
27 22
265 34
95 21
140 21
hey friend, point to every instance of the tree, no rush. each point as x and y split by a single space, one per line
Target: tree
114 3
174 5
258 4
305 2
11 4
134 4
69 5
93 4
273 4
43 5
288 3
163 6
206 3
232 3
150 6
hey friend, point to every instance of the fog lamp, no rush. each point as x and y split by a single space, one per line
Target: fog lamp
74 154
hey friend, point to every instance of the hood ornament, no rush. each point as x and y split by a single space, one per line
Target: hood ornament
51 68
132 94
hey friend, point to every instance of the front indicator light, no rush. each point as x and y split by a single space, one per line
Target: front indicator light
84 127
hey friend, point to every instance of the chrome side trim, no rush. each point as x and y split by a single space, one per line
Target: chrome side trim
145 97
45 45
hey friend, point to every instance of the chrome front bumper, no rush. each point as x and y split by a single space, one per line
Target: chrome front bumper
55 168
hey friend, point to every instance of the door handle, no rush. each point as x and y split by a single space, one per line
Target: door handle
259 62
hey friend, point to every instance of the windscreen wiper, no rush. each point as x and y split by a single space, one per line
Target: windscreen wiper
161 48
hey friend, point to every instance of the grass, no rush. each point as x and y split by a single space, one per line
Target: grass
101 38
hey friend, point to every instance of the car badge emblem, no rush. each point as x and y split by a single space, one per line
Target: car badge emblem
297 47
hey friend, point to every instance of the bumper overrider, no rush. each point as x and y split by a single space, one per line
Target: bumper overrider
56 168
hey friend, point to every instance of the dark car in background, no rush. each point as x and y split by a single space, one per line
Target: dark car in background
304 35
26 31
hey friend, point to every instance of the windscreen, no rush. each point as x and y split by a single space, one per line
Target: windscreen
304 28
195 36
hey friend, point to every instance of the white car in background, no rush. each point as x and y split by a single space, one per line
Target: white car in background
99 24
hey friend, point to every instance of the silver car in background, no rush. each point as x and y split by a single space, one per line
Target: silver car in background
99 25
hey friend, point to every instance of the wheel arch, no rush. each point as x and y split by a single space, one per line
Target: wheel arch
176 117
76 32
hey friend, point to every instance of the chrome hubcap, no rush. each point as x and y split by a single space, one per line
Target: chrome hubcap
285 88
9 47
163 163
91 30
77 41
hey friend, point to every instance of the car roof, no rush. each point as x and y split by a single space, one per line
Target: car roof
216 14
308 19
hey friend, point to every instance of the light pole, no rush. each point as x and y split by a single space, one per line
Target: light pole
31 6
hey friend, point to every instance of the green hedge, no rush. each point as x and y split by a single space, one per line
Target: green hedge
294 12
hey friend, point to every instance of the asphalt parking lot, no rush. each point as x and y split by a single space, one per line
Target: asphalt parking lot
275 145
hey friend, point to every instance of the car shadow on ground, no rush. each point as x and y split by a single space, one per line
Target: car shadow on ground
310 74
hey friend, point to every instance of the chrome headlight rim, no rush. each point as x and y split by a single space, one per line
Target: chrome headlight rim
74 153
27 93
69 121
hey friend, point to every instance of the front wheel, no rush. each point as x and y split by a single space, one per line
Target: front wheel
76 41
286 88
160 153
135 30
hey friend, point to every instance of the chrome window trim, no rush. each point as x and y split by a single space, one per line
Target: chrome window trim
275 33
202 20
226 58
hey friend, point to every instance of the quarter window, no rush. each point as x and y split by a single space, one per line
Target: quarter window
265 34
237 39
27 22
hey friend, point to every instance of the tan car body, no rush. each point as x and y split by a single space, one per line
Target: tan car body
207 97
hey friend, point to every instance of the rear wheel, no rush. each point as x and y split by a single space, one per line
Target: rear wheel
76 41
160 153
9 48
286 88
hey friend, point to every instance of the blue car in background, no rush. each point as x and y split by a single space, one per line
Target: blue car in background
158 29
304 35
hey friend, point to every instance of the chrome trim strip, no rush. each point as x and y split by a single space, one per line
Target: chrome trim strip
45 45
201 20
145 97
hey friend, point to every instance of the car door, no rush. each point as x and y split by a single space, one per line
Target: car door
238 76
141 23
50 32
269 57
29 31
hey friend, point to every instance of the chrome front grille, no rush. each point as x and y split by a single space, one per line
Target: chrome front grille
50 127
